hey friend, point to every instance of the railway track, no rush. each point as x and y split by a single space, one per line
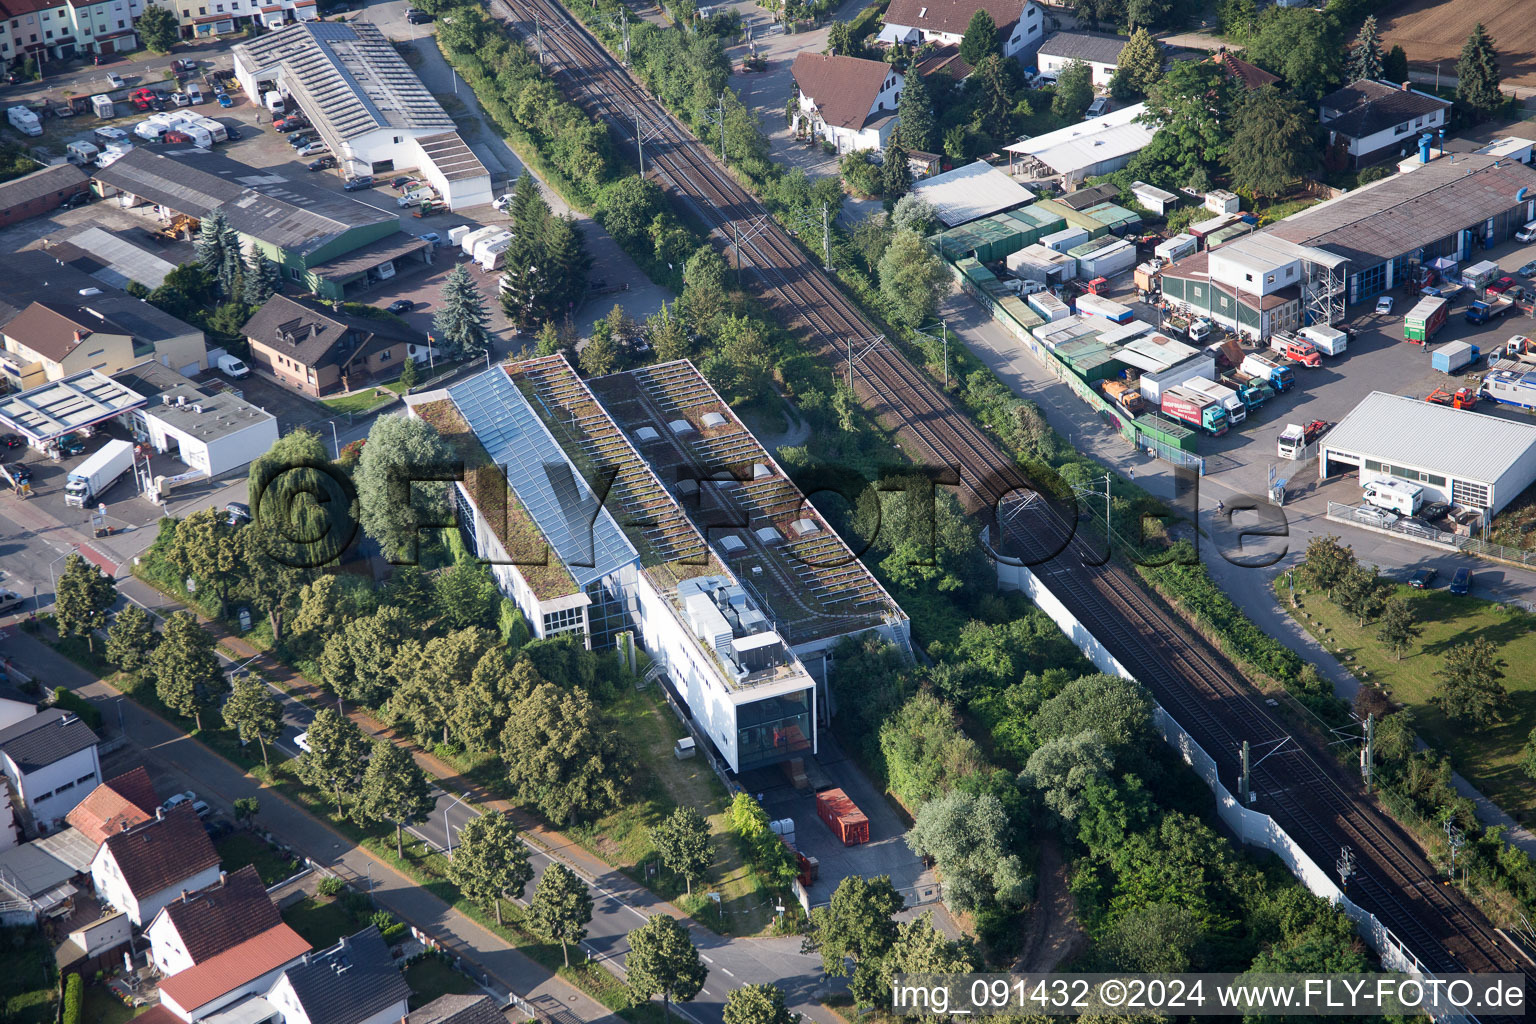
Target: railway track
1297 785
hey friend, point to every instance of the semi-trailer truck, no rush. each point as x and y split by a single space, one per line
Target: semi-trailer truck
1297 350
1295 438
95 475
1281 378
1455 357
1425 319
1197 410
1237 409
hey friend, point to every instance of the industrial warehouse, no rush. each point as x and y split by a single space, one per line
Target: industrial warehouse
742 625
1469 459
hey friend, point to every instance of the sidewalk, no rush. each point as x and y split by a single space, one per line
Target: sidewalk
165 742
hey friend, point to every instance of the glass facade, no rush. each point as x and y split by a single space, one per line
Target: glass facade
607 616
774 729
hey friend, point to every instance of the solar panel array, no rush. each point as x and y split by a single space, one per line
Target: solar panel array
824 567
644 504
560 502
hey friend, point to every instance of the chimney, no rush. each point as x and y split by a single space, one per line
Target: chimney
159 813
79 337
223 876
185 896
1404 87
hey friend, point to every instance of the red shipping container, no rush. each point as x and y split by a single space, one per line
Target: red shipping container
842 816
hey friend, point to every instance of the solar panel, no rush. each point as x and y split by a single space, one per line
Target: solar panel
584 535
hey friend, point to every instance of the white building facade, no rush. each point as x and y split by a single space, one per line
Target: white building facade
51 763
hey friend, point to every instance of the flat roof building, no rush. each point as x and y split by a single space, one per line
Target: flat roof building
1098 145
366 104
47 413
968 193
211 430
1467 458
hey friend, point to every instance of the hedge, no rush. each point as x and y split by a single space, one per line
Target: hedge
74 999
87 712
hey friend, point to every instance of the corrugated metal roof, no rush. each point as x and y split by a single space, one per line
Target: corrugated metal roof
1435 438
58 178
969 192
1088 143
451 155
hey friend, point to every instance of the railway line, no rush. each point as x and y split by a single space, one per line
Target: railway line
1316 803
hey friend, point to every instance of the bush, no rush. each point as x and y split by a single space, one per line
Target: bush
74 999
330 887
83 709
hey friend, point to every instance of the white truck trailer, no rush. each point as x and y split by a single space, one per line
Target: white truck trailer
93 477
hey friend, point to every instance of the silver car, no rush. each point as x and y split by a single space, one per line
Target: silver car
10 601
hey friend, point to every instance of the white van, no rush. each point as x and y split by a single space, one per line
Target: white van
234 367
1527 233
274 102
1395 496
194 92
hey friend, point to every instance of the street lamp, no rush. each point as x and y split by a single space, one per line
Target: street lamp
448 832
54 579
335 441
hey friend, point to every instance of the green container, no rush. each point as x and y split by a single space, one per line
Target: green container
1116 218
1045 220
1160 428
1076 218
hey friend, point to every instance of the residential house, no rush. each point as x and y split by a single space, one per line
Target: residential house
355 981
1249 76
1368 122
119 803
50 30
848 101
458 1009
1020 25
40 192
324 351
200 925
51 340
15 707
145 867
240 973
51 762
1100 51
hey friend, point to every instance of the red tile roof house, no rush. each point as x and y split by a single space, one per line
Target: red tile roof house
143 868
1020 25
200 925
849 102
248 968
121 802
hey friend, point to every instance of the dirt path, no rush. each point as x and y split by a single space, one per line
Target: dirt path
1053 936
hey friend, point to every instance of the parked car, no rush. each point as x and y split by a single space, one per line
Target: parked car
10 601
1099 106
238 513
1461 582
400 306
19 471
11 441
224 100
300 141
325 163
72 445
181 99
178 800
359 183
415 17
291 123
433 237
232 133
79 199
1384 304
1435 511
313 148
1374 516
1528 270
401 181
1422 579
115 80
1501 286
218 829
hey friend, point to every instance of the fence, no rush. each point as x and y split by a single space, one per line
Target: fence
1370 518
1251 826
1499 552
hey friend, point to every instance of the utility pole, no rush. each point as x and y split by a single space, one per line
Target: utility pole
1368 752
826 237
722 127
1457 839
639 138
944 326
1244 781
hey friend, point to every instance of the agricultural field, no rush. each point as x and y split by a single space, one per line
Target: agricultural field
1434 30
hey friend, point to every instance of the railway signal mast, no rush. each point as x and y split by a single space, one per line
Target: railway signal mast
1345 865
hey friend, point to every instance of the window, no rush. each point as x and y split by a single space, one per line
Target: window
1372 466
1248 278
1469 494
384 356
202 11
1401 129
120 24
219 8
1269 279
85 778
48 34
1435 481
93 355
292 273
562 621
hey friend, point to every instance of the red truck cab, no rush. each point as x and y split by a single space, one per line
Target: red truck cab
1297 350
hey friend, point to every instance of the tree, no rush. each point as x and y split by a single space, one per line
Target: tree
1139 68
1394 66
408 373
131 640
397 495
213 237
599 355
309 513
1190 106
967 835
682 841
915 128
1063 769
232 270
466 596
428 691
158 28
1074 91
895 173
1273 142
563 757
394 788
460 325
1301 46
490 861
1471 684
253 713
918 948
1398 629
858 923
840 40
186 668
662 961
980 40
271 571
1365 59
668 335
1239 19
757 1004
561 908
911 278
1327 562
261 281
993 87
915 214
628 208
83 595
204 550
334 761
246 808
1360 593
1528 756
1477 76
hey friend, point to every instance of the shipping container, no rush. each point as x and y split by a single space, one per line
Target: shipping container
1065 239
1454 357
1108 261
1478 275
1330 341
1153 427
842 816
1425 319
1049 306
1116 218
1074 218
1226 234
1104 309
1177 247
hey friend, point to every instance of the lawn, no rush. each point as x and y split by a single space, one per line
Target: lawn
242 848
366 400
28 986
623 839
1488 757
431 977
100 1006
320 921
